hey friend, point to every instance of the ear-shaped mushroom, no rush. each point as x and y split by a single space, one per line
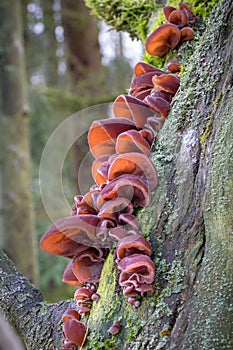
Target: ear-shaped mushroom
114 207
144 81
87 266
140 93
83 294
137 270
75 331
155 123
173 66
132 141
164 38
159 105
134 244
115 328
99 169
103 133
67 236
167 10
191 16
127 186
187 33
70 314
69 276
179 18
129 221
162 94
142 67
84 204
166 82
129 107
134 163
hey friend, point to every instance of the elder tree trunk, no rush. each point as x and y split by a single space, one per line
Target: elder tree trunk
17 218
189 224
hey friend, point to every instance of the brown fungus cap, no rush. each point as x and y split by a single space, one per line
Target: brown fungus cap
191 16
173 66
167 82
179 18
133 141
103 133
164 38
75 331
134 163
187 33
159 105
167 10
133 244
131 108
143 67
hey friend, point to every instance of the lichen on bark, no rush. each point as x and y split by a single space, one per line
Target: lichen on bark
189 220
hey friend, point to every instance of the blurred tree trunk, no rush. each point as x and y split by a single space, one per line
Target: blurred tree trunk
81 36
189 224
84 64
51 43
17 212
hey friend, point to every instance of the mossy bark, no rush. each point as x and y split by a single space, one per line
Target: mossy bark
17 219
189 222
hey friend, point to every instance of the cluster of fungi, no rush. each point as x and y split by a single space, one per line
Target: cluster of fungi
124 177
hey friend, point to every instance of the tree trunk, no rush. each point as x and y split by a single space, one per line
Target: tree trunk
18 240
50 43
81 35
189 221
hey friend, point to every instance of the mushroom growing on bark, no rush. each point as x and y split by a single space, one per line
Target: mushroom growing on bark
124 177
163 39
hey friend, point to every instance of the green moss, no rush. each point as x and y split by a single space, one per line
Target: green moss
127 15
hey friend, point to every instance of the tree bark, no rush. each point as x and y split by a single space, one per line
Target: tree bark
17 216
189 223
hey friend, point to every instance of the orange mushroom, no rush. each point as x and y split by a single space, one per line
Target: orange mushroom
87 266
115 328
131 245
70 314
137 274
134 163
173 66
159 105
132 187
167 10
155 123
142 67
191 16
129 107
75 333
69 276
187 33
68 236
166 82
133 141
163 39
140 93
103 133
99 169
179 18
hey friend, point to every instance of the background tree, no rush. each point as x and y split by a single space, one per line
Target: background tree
17 212
189 223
